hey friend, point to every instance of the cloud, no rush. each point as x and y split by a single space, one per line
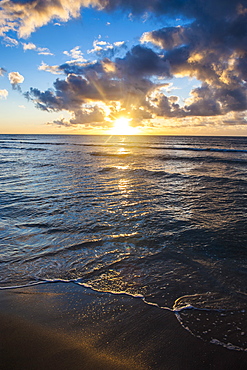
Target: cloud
76 55
235 118
16 79
190 52
105 49
99 45
26 16
2 71
121 85
142 61
44 51
28 46
10 42
211 48
105 81
209 45
40 51
126 83
166 38
52 69
88 117
3 94
203 103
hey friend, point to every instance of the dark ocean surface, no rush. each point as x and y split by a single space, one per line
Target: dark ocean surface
160 217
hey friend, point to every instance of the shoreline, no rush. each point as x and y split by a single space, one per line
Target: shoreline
63 325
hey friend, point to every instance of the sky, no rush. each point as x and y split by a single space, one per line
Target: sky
176 67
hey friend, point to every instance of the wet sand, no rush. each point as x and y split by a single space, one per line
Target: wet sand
66 326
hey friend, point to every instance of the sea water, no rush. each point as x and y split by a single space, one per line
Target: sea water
160 217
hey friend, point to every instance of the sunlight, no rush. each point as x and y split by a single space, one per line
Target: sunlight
122 127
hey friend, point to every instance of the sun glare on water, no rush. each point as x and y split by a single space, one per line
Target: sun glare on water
122 127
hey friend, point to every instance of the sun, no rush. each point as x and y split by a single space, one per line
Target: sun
122 127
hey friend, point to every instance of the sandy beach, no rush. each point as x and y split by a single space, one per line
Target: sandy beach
66 326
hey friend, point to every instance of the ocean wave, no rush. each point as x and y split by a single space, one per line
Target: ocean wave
142 172
6 147
34 149
224 326
103 154
166 175
146 144
200 159
21 148
200 149
107 169
73 247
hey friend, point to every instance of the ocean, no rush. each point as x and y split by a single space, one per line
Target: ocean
162 218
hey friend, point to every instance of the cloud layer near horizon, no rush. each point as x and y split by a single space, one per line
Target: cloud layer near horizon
210 46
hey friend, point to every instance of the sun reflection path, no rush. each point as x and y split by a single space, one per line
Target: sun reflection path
123 151
123 186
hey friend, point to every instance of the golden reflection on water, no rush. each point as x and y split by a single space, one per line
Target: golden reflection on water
126 167
123 151
123 186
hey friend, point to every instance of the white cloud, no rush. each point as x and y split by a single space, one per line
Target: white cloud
9 41
76 54
131 17
106 49
44 51
3 94
145 17
119 43
100 46
15 78
52 69
40 51
25 17
28 46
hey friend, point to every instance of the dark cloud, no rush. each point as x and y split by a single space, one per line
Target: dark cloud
2 71
141 61
190 8
163 106
105 81
212 49
240 118
201 50
204 103
26 15
232 99
210 101
86 116
46 101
